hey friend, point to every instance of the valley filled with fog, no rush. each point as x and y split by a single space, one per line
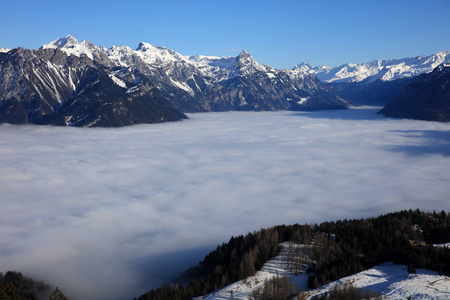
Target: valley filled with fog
109 213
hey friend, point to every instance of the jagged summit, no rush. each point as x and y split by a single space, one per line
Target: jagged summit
68 41
143 46
303 64
70 45
244 55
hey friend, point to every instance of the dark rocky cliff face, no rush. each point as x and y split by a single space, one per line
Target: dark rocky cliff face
426 97
47 86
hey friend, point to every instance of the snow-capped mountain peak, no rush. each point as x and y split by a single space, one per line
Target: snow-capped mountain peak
156 50
246 65
70 45
64 42
144 47
245 58
4 50
157 55
303 66
244 55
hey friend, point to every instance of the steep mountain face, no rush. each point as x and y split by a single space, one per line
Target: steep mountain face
426 97
376 82
73 83
47 86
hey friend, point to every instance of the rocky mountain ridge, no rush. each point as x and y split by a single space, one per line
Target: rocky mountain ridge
210 83
63 81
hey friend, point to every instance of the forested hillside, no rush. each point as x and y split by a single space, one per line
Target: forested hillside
405 237
340 248
15 286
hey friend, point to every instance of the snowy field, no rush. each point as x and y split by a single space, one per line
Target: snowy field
393 282
111 213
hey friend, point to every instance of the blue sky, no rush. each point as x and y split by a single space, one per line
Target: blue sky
277 33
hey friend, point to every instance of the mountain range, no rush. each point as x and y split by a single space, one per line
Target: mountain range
376 82
73 83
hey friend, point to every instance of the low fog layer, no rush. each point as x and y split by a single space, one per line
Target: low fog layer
111 213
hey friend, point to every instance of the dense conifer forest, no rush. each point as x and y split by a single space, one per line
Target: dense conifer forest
16 286
340 249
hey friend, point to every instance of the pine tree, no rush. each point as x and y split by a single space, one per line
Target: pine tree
58 295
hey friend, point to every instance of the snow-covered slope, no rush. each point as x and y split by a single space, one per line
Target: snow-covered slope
385 70
393 282
241 290
4 50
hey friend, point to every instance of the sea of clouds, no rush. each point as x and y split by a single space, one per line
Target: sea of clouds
111 213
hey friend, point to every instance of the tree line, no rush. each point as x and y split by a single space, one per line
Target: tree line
405 237
16 286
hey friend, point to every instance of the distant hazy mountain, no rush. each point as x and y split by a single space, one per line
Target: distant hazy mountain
375 82
426 97
67 82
